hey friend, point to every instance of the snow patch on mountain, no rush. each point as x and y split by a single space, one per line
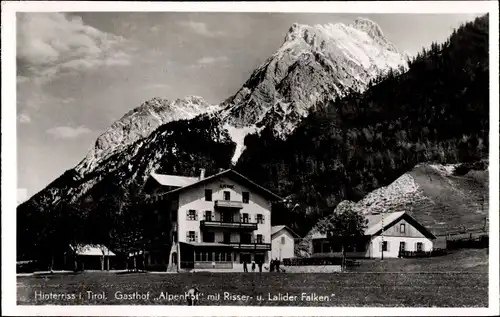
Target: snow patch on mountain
238 136
312 63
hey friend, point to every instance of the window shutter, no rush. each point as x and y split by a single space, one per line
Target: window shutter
381 246
187 214
263 219
415 247
187 236
196 237
388 246
196 215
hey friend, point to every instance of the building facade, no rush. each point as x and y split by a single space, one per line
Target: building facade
219 222
282 242
385 236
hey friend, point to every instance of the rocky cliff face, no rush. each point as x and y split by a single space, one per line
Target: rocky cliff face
313 63
139 123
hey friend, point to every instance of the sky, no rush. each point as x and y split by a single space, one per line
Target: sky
77 73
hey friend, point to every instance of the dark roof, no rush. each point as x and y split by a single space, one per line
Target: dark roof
234 175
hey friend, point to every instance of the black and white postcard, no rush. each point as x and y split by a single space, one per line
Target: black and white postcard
285 158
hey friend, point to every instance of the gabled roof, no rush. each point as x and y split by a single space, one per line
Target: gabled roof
231 174
174 180
374 225
91 249
276 229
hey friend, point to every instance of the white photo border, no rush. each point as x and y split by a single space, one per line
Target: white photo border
9 170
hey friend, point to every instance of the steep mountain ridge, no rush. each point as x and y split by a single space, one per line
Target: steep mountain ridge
313 63
139 123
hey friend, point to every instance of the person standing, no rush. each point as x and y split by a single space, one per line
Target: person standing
260 266
253 266
245 267
277 265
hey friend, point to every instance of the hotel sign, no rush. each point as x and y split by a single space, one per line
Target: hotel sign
226 186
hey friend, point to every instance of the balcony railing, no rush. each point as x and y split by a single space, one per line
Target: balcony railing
229 225
250 246
228 204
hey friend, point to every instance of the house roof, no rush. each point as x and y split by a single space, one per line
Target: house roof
228 173
174 180
374 225
91 249
276 229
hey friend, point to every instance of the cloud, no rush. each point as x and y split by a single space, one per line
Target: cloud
65 132
200 28
50 44
211 60
24 118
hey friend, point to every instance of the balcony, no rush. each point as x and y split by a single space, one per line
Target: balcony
229 225
251 246
228 204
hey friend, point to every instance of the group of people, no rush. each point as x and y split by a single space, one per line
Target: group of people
259 264
273 266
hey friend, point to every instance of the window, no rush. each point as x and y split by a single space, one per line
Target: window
217 256
260 218
227 237
208 236
402 228
228 256
192 215
208 215
385 246
191 236
245 218
246 197
227 195
208 195
419 247
210 256
198 256
402 246
259 238
282 240
317 246
245 238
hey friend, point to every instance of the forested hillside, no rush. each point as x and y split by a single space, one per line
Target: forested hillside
436 111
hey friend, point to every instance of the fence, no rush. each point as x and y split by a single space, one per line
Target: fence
480 242
312 261
422 254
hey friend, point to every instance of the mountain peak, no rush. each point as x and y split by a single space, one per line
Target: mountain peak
368 26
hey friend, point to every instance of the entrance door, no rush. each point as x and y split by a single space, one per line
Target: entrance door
259 258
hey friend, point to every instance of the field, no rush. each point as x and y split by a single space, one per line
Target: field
450 283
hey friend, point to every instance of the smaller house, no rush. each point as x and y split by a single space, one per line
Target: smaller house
89 257
282 242
385 235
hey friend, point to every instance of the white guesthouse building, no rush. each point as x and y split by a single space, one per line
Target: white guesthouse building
282 242
218 222
385 235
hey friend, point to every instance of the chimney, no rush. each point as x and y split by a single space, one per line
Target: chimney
202 173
